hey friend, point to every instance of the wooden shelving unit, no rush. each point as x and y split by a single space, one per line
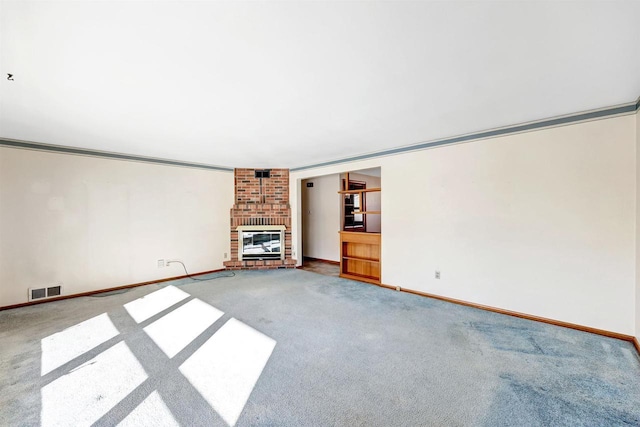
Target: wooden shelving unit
360 256
359 250
366 190
366 213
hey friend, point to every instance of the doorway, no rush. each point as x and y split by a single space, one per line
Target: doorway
323 216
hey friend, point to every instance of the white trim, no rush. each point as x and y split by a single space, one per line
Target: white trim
261 228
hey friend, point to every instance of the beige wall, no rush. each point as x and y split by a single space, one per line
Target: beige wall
637 334
94 223
540 222
321 218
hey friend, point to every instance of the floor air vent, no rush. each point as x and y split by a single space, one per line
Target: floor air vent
41 293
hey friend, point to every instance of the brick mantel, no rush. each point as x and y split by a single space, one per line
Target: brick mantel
260 201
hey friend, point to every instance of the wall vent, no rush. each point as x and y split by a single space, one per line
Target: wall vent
43 293
38 293
262 173
54 291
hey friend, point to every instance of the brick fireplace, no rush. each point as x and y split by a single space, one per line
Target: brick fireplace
261 203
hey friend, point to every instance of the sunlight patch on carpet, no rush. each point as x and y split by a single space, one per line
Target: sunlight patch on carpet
227 367
85 394
152 304
151 412
176 330
64 346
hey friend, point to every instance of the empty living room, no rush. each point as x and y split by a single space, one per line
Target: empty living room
319 213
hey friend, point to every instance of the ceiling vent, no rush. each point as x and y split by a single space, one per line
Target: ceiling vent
43 293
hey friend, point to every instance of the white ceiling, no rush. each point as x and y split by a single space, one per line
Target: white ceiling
288 84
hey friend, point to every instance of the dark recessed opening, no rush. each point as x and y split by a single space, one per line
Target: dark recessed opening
38 293
263 173
54 291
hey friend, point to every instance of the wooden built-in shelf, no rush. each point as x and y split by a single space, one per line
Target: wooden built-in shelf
367 213
364 190
359 250
362 278
376 261
360 256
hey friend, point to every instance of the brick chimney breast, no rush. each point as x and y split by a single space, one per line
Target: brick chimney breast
260 201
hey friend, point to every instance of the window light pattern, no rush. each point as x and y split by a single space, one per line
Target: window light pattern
224 370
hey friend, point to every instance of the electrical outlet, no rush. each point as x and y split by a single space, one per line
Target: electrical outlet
225 255
437 274
160 263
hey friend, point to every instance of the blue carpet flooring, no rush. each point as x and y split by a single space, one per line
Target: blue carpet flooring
331 352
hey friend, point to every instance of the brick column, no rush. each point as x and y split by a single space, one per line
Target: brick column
260 201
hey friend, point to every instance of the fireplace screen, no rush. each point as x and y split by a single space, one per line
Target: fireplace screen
261 244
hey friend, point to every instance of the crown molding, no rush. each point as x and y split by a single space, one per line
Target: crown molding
602 113
28 145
